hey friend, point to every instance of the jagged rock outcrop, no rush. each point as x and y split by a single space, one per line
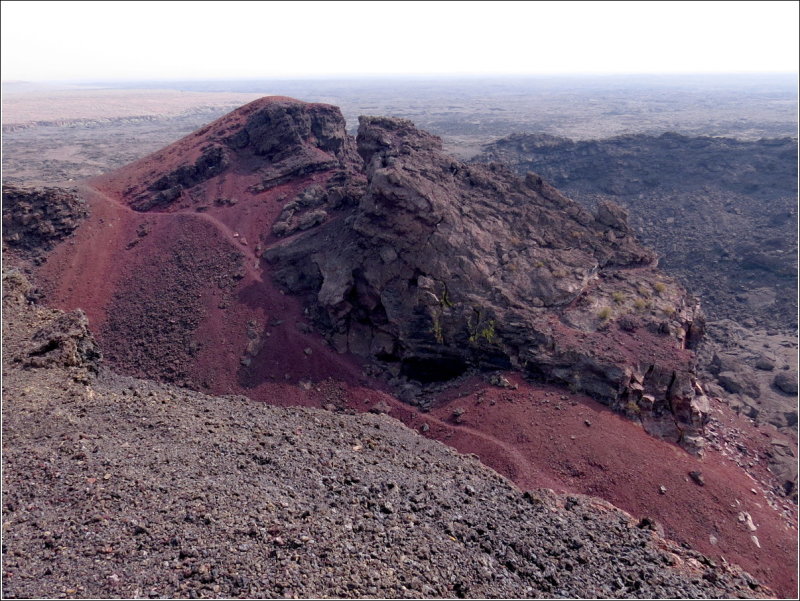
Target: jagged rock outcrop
35 219
66 342
722 212
444 266
62 341
281 140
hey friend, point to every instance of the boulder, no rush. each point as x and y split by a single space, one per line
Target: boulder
764 363
740 382
786 381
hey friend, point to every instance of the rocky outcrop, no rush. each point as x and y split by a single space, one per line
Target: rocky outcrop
56 340
279 139
65 342
36 219
444 267
722 212
169 187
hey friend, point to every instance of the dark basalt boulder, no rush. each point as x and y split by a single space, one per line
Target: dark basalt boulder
786 382
443 267
56 339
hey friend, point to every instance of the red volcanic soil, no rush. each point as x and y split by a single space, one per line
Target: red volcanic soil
183 295
544 436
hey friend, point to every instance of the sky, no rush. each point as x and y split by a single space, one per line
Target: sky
80 41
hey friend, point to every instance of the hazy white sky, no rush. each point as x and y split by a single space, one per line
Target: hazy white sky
205 40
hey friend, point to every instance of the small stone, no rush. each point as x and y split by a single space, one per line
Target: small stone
587 422
747 520
662 490
698 478
424 428
307 351
380 407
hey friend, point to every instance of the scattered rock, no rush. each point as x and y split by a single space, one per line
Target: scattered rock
381 407
740 382
764 363
697 478
501 382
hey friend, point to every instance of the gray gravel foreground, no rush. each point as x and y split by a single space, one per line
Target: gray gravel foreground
115 487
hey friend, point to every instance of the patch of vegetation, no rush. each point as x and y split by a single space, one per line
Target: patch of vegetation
618 297
632 408
446 302
604 313
660 287
437 330
481 329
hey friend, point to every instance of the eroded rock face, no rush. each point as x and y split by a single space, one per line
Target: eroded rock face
444 266
36 219
722 212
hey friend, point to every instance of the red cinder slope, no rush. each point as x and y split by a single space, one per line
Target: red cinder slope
168 264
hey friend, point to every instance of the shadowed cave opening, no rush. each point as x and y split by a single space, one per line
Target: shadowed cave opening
434 369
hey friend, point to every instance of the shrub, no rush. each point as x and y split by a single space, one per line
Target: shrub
604 313
618 297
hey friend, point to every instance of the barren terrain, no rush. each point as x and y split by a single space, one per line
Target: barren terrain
70 140
182 293
118 487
